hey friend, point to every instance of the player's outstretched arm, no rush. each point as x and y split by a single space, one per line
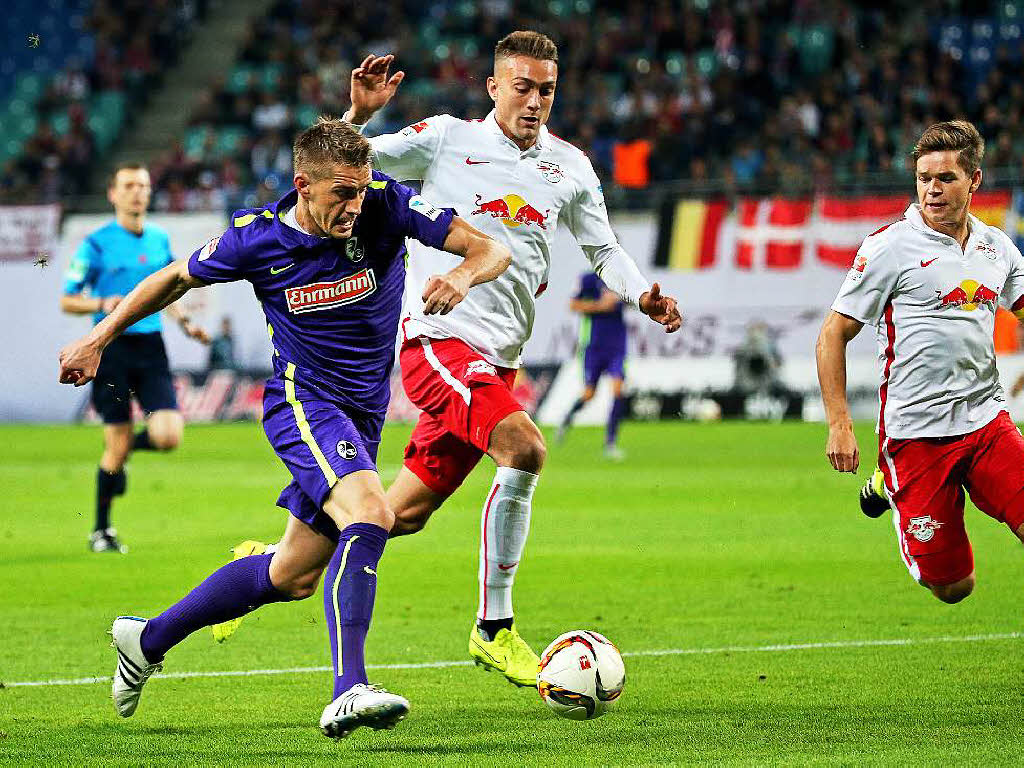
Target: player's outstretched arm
661 309
836 332
80 359
483 259
370 88
189 328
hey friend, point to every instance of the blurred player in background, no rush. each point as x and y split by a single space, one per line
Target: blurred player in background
327 264
603 346
930 284
516 181
108 264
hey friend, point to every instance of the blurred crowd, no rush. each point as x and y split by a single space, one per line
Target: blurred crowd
751 94
122 50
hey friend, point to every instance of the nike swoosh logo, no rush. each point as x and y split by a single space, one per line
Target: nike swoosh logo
369 570
926 263
507 567
476 162
277 271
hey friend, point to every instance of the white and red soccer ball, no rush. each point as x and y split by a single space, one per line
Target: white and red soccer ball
581 674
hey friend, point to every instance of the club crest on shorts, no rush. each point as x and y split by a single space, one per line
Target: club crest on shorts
482 367
353 250
923 528
346 450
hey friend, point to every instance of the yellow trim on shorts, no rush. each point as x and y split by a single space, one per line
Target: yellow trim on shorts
303 425
334 598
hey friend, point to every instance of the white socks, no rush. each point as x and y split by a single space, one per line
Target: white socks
504 525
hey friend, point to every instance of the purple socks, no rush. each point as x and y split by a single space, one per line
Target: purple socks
350 585
614 417
229 592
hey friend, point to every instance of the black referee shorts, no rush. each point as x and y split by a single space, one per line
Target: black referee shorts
134 365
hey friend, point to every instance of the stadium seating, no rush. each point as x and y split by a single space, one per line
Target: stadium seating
702 82
69 72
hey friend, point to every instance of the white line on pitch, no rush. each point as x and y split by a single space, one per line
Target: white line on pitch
663 652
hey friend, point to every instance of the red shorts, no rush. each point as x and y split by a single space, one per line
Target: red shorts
463 397
926 478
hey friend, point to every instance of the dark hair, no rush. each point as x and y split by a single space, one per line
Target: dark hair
957 135
522 43
328 142
125 166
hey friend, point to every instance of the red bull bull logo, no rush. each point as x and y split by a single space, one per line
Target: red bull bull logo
968 296
513 211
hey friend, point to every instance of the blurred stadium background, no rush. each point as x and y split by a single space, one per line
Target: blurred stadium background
745 147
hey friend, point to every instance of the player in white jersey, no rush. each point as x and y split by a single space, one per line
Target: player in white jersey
516 181
513 179
929 283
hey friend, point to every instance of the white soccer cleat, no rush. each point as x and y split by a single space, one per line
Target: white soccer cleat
133 669
614 453
362 705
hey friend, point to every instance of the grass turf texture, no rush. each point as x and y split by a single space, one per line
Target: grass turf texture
707 536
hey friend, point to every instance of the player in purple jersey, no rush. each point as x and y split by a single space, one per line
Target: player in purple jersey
603 349
327 264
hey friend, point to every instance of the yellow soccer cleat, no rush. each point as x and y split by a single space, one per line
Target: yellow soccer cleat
507 653
874 501
224 630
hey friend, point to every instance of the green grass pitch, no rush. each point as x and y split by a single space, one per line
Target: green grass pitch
708 537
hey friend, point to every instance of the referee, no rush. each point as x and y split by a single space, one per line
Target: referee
109 263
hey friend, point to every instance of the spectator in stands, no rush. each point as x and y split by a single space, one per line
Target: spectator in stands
222 348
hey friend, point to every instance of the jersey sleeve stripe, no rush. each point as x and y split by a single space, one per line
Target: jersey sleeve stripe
303 424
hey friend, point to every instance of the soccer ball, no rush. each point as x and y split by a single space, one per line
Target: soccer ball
581 675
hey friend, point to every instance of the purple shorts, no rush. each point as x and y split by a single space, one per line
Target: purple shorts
597 361
320 442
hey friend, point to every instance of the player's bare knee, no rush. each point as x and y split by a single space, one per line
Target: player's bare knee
526 450
374 509
410 521
299 586
955 592
530 456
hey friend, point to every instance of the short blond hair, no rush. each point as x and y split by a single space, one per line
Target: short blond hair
535 45
953 135
330 141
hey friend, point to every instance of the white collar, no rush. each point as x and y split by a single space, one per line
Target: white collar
913 214
491 121
292 221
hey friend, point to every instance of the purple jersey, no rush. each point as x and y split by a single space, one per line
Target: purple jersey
332 306
604 330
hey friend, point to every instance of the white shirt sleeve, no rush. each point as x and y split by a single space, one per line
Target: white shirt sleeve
587 218
1013 290
870 282
407 155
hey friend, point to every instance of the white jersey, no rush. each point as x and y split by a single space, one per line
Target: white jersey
934 305
518 198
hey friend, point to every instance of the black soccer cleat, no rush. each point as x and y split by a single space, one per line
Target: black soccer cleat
873 501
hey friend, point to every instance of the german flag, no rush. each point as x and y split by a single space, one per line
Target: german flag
688 233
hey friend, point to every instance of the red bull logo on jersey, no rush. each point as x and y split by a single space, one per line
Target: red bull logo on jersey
968 296
923 528
317 296
513 211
